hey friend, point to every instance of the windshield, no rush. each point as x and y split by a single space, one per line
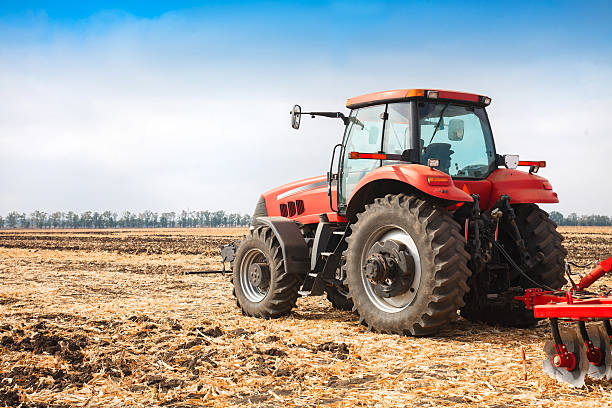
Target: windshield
459 136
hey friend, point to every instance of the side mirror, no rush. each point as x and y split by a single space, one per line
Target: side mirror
455 130
296 116
511 161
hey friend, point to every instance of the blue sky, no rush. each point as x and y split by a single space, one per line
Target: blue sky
126 105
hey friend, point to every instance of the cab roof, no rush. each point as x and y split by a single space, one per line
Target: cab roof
399 95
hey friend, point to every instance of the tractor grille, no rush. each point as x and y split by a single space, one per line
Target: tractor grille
292 211
292 208
299 204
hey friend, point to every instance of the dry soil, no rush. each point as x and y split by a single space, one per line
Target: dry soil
109 318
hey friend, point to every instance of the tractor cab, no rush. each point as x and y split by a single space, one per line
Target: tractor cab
451 136
444 130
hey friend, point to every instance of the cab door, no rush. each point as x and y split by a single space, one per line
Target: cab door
363 135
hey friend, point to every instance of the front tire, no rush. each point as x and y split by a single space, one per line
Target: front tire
262 287
436 248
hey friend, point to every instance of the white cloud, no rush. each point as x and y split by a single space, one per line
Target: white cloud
165 114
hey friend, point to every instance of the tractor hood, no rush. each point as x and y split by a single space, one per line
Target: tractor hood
303 200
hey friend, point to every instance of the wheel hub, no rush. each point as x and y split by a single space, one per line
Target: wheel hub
259 275
389 268
375 268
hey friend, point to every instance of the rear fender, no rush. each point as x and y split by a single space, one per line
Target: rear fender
403 178
521 186
291 240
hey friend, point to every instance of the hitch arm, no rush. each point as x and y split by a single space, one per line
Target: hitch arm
514 230
600 270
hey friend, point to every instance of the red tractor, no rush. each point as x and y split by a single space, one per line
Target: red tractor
418 218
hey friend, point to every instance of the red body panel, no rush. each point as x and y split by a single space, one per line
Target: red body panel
415 175
522 187
480 187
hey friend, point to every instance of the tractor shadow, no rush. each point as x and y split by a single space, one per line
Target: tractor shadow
478 332
322 311
462 330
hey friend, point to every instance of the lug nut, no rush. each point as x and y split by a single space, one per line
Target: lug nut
373 270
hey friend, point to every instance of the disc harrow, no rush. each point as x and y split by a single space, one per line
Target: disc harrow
571 355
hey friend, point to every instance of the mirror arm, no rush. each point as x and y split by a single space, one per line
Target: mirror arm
499 160
339 115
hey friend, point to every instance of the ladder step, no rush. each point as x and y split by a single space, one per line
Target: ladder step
326 253
338 232
312 274
304 292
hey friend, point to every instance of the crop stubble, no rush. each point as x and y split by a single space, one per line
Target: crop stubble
108 318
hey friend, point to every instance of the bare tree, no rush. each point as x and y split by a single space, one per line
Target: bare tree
55 219
150 219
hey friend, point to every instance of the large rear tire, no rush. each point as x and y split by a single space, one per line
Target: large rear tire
433 243
262 287
544 241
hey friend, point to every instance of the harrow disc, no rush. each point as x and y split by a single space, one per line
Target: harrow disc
574 344
600 339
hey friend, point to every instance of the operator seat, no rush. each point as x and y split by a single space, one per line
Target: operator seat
440 151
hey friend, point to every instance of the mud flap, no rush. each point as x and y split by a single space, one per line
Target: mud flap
293 245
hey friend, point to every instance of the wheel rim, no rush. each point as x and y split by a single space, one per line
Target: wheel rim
253 293
400 302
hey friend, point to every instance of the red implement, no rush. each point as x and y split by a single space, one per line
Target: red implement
566 356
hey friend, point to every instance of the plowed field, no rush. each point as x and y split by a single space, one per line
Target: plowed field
109 318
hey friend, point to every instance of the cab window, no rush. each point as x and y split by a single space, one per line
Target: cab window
364 135
459 136
397 130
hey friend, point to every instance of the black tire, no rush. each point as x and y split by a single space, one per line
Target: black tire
261 246
442 259
543 241
544 244
339 298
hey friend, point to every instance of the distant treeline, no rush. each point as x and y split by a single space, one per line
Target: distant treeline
189 219
108 219
584 220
